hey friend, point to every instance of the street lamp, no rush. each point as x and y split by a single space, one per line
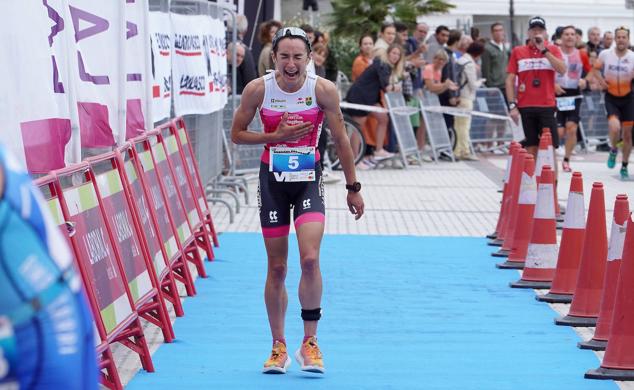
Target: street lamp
511 27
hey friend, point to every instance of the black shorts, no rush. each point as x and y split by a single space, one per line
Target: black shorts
276 199
572 115
314 4
621 107
536 118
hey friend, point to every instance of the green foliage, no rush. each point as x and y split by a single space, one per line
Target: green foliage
345 50
351 18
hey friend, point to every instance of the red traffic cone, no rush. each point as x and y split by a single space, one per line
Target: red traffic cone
541 257
525 209
584 309
565 279
516 175
497 236
615 253
546 156
618 361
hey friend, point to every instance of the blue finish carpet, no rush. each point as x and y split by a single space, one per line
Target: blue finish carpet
398 313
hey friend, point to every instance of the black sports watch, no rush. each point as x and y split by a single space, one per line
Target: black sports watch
354 187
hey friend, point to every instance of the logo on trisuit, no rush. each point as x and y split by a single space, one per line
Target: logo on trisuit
309 100
273 216
306 204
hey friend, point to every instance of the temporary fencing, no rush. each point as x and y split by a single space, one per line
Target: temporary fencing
400 120
593 118
242 159
490 129
437 131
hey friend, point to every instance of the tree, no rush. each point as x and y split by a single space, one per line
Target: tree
351 18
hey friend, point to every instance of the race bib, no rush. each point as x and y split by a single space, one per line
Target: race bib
292 164
566 103
8 352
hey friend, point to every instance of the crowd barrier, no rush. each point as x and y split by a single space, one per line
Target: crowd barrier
135 218
242 159
594 277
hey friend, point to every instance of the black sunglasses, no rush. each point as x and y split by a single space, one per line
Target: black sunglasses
290 32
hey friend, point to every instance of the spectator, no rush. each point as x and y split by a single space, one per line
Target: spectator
415 49
594 40
468 83
436 41
310 32
608 40
401 32
463 44
432 75
535 85
364 59
579 35
267 32
320 52
243 74
450 97
247 68
382 75
319 37
495 59
385 39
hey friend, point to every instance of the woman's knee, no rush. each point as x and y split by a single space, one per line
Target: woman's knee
310 262
277 271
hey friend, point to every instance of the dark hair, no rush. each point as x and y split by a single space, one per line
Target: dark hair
400 26
386 25
265 28
454 36
441 28
365 35
475 49
475 33
494 25
307 28
290 32
561 32
320 47
579 32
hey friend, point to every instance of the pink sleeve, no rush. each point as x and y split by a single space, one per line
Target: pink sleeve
428 72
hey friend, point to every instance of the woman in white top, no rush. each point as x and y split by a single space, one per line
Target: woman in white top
467 84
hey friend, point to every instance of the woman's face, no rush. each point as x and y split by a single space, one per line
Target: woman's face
272 32
367 45
319 58
439 63
394 55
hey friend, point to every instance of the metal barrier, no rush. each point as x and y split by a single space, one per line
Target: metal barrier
484 129
400 119
242 159
594 121
437 131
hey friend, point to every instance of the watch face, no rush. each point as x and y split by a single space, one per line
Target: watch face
356 187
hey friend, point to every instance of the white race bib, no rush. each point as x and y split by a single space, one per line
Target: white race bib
292 164
566 103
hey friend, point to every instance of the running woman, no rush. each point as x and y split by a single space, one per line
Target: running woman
614 70
292 104
568 88
46 329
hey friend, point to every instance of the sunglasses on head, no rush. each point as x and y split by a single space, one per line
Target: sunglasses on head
290 32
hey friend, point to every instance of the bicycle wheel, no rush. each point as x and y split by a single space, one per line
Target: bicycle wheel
356 141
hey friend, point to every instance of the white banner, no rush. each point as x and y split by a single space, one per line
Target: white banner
98 70
137 64
34 113
161 64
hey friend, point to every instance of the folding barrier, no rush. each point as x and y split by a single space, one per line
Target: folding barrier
402 126
243 159
594 121
141 156
129 241
164 156
436 126
103 274
109 374
483 129
148 224
193 175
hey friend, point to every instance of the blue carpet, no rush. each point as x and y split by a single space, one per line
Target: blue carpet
398 313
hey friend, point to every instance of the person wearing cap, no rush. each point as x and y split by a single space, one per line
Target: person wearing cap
532 69
292 104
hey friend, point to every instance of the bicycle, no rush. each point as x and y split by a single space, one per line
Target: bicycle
356 141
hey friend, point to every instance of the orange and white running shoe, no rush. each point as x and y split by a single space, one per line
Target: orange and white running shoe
279 361
309 356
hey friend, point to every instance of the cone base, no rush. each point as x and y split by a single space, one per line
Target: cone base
492 236
610 373
495 242
555 298
501 253
530 284
576 321
510 265
595 345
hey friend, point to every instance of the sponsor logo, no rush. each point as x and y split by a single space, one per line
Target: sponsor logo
273 216
309 100
306 204
273 100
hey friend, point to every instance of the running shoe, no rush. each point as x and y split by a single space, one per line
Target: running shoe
612 158
309 356
624 174
383 155
565 166
279 360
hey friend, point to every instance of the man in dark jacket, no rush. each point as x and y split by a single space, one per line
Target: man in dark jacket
495 59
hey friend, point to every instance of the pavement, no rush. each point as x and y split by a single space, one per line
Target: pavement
454 200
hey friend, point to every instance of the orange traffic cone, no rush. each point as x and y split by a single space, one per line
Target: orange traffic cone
618 361
615 253
541 256
525 209
586 300
516 174
497 236
544 152
565 279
